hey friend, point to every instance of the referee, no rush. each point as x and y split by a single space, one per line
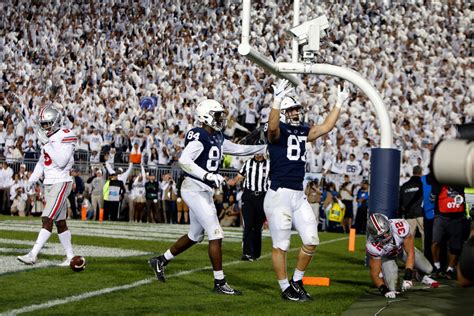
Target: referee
255 171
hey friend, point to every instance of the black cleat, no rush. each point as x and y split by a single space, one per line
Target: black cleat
290 294
247 258
437 274
450 275
158 265
221 287
298 287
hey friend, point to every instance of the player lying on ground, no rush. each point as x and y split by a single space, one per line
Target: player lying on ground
390 239
200 160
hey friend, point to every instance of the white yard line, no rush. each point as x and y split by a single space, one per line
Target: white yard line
119 230
86 295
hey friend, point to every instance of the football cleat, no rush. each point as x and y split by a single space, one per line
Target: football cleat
298 287
290 294
450 275
222 287
158 266
247 258
27 259
429 281
437 274
65 263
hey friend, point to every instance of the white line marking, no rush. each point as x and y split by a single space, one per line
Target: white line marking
86 295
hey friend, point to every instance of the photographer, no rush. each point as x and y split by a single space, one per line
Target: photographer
170 195
19 202
313 193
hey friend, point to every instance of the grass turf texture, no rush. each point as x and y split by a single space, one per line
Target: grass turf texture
188 293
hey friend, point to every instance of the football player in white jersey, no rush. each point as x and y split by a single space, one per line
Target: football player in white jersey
388 240
200 161
55 163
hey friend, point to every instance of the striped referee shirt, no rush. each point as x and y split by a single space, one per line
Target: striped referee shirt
256 175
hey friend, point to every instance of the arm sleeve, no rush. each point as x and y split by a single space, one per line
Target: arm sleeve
242 150
189 154
38 171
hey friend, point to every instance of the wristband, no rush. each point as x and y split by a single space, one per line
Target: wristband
276 104
383 289
408 274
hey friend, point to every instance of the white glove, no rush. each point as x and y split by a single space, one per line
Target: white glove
281 89
42 137
407 284
29 187
391 294
217 179
342 95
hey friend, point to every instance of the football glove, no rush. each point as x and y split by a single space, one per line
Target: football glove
281 89
342 95
215 178
42 137
29 187
391 294
407 284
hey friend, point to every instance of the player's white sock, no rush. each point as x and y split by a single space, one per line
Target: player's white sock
284 284
168 255
450 269
298 275
437 265
43 237
65 238
218 275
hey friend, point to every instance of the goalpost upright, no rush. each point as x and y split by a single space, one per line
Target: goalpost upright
385 161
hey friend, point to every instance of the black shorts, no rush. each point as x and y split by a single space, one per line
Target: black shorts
349 209
449 229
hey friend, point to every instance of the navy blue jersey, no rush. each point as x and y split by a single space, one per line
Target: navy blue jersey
210 158
288 157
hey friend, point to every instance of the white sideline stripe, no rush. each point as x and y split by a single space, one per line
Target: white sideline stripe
86 295
132 231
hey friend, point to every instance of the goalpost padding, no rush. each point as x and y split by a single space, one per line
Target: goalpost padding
384 181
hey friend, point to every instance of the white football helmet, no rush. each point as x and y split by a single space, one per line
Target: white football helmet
211 113
378 227
50 119
290 103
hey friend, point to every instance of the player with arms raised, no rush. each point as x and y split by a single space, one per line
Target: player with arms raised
285 202
200 160
55 163
388 240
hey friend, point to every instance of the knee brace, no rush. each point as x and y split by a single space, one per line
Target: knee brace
307 250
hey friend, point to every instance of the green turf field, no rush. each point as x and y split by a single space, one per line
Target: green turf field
118 280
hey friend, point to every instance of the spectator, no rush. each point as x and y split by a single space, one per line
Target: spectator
114 191
77 189
181 206
448 225
153 202
230 214
313 194
347 198
97 182
362 207
137 193
411 203
6 180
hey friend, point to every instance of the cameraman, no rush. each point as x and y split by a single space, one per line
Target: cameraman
170 195
19 202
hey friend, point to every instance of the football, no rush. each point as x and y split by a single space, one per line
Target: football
78 263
